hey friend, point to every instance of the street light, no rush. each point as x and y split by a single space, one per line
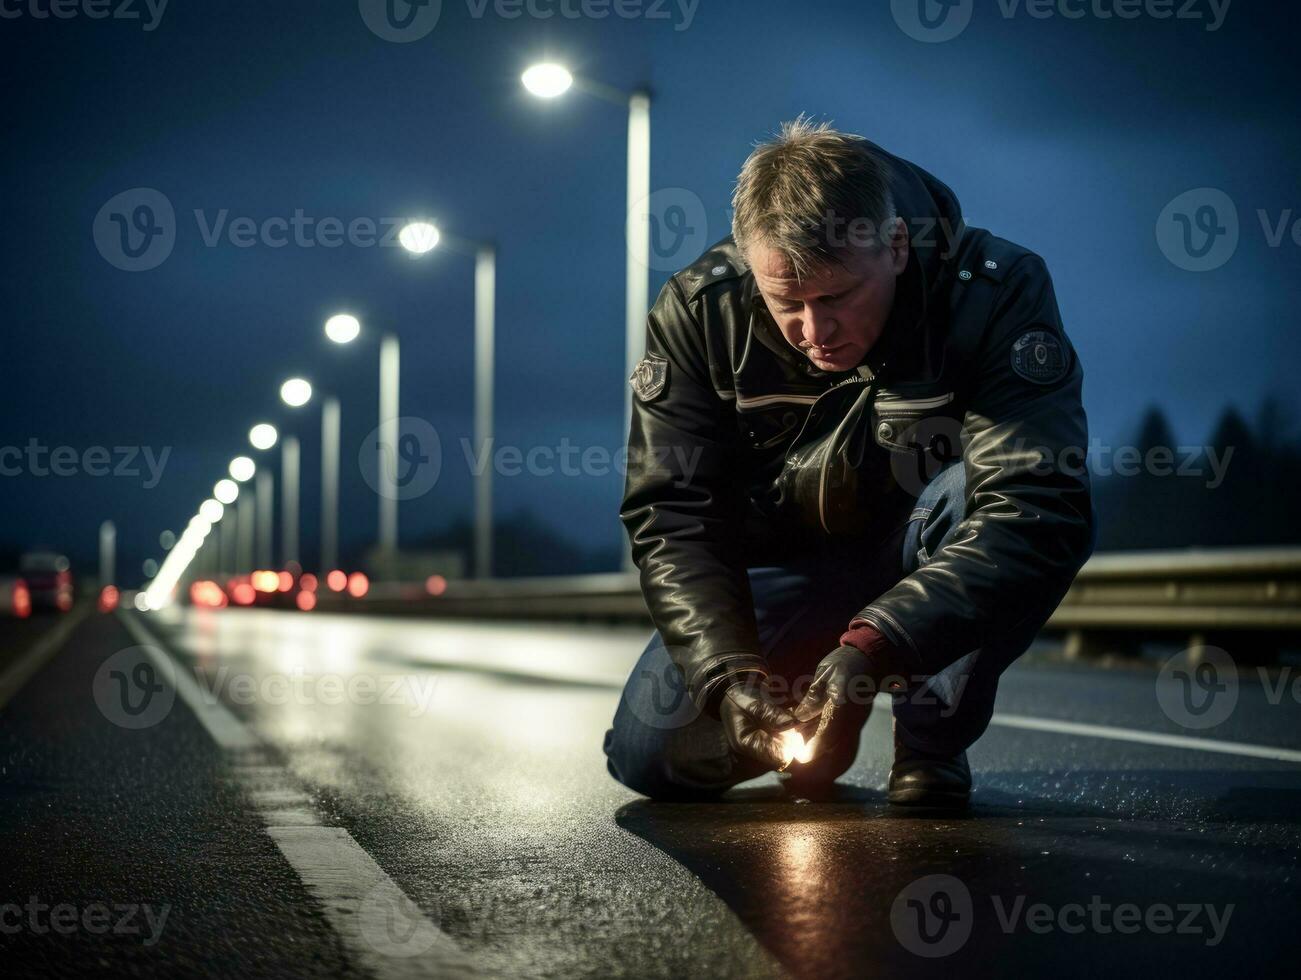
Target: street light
418 237
242 469
425 236
549 80
226 491
263 435
342 328
296 392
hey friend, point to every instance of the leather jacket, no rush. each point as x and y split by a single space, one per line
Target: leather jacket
741 452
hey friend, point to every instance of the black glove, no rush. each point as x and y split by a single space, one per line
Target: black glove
752 721
840 697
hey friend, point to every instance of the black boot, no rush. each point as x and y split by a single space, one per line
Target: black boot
924 780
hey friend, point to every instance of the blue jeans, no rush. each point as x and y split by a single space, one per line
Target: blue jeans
661 746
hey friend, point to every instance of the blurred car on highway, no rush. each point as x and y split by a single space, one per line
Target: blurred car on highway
15 599
48 575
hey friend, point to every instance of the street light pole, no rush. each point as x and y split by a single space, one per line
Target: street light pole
289 460
389 356
485 280
638 242
266 489
418 238
107 553
244 539
547 81
330 418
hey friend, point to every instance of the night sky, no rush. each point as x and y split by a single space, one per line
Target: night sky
1066 135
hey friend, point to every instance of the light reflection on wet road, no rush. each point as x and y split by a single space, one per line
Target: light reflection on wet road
493 806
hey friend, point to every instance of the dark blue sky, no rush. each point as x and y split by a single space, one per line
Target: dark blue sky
1069 136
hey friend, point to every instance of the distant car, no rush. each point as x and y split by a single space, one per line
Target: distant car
49 579
15 600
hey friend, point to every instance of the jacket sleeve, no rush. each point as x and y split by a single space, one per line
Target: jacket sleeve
1029 521
683 510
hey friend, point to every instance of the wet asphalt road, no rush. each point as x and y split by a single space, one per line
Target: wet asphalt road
464 761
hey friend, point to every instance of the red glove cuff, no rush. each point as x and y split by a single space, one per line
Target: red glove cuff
867 638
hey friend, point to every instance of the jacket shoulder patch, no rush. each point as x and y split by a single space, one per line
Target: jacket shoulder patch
650 378
1038 356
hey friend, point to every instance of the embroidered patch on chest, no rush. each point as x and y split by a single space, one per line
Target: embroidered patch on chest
1038 356
650 377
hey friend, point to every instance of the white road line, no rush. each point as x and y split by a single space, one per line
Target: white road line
226 730
383 930
1146 738
39 653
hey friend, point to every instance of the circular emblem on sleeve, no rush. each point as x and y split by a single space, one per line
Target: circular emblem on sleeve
650 377
1038 356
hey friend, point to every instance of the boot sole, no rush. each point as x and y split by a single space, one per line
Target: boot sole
931 799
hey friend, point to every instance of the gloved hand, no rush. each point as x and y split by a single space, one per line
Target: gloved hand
840 697
752 721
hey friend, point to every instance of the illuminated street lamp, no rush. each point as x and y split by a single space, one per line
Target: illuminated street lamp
242 469
548 81
296 392
342 328
226 491
263 435
419 237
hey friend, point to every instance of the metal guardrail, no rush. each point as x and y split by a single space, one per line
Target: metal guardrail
1117 598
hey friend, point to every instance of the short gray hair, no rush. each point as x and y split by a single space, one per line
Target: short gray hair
811 193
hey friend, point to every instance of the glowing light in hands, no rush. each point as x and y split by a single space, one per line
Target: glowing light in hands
794 748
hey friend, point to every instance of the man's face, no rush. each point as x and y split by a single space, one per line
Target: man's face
838 311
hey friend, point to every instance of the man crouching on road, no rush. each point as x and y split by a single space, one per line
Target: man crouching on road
856 464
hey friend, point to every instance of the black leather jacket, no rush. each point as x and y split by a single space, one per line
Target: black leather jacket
741 452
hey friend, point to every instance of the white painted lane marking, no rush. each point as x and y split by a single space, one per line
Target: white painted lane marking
39 653
368 911
1147 738
385 932
226 730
